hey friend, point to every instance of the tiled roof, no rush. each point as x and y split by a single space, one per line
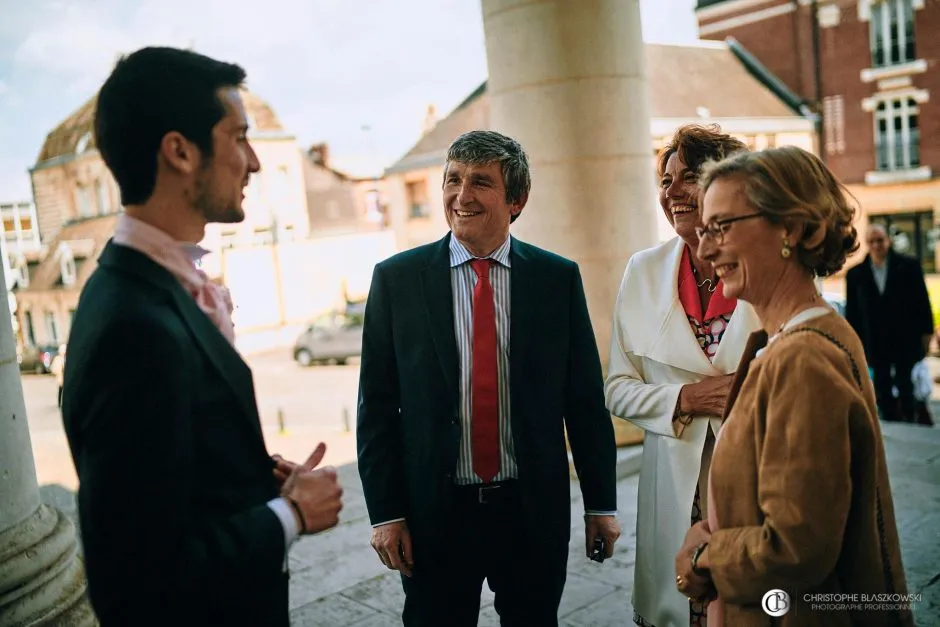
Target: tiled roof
685 80
64 138
87 238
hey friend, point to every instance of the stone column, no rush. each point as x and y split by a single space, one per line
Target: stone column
568 79
42 577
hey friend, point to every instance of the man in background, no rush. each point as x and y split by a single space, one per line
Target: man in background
888 306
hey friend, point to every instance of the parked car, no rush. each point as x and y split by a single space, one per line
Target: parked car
334 336
36 359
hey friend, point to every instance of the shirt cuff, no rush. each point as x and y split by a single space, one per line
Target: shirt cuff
285 513
387 522
594 513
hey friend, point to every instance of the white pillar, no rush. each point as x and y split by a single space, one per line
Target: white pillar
568 79
42 578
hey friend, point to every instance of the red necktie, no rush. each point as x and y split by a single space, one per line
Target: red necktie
484 376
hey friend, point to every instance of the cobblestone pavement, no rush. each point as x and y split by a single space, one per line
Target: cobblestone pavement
337 579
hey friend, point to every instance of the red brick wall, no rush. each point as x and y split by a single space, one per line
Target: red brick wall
784 44
771 40
927 42
844 52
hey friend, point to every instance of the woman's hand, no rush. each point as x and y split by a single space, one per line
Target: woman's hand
688 583
707 397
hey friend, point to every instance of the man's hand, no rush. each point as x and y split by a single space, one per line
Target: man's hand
605 526
317 493
392 542
687 582
284 468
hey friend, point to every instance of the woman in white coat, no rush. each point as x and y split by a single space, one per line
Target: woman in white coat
676 342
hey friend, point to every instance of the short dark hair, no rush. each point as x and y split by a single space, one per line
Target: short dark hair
150 93
482 147
697 144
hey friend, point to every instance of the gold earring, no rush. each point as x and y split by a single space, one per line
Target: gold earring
785 251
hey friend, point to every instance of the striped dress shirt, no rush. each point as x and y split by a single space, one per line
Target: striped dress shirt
462 281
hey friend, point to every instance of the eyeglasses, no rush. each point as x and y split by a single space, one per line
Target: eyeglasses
716 229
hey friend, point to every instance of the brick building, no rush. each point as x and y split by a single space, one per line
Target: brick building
871 69
703 83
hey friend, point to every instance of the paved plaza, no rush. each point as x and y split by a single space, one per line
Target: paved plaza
337 579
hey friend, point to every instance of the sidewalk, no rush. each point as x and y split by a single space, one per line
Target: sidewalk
337 579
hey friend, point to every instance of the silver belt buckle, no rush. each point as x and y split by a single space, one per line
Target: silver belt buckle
484 490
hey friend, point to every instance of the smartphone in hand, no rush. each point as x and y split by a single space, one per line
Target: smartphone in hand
599 550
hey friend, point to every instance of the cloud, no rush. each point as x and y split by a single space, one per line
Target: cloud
327 67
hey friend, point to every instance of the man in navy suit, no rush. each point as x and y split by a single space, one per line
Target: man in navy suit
478 354
186 519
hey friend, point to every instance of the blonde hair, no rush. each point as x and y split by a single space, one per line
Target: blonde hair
793 187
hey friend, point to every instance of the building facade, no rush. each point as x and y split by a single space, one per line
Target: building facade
870 69
77 203
704 83
20 249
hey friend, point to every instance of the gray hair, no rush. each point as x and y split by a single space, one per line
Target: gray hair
482 147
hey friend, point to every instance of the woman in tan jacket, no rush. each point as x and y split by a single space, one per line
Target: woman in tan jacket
801 525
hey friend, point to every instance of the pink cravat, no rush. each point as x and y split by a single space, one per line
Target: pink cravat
214 300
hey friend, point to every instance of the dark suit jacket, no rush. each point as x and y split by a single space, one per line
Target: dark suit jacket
164 431
890 325
408 427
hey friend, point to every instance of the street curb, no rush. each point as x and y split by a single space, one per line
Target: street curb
629 460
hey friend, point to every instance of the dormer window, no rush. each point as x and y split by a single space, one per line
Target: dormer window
82 144
67 269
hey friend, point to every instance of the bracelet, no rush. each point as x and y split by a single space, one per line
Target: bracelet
695 555
300 514
682 418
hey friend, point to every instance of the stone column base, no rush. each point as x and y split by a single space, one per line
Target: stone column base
42 577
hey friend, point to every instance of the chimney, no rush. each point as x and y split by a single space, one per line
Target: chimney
319 154
430 120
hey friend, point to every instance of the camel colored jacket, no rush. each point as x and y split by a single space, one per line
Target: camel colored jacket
800 484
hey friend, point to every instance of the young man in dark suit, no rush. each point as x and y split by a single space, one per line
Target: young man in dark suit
477 356
888 306
185 518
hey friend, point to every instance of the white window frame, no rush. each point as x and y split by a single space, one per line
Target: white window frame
908 108
52 326
881 23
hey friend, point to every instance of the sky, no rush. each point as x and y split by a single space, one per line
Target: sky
357 74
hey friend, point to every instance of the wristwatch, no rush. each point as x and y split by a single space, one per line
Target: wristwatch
695 555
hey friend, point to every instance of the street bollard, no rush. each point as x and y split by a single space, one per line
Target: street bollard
281 428
345 419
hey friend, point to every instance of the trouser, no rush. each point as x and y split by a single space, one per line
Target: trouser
486 541
903 408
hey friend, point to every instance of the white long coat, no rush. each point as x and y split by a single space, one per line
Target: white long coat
653 353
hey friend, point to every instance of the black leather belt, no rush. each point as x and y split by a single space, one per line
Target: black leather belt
487 493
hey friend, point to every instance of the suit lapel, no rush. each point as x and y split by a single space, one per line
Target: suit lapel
439 303
227 361
523 314
667 336
755 342
223 355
